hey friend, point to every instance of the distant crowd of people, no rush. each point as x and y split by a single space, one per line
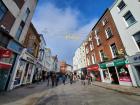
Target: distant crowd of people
53 79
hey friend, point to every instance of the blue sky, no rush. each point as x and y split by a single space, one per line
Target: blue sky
66 23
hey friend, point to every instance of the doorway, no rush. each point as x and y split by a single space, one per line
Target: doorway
114 76
138 73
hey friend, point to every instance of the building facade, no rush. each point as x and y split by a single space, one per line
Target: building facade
127 19
25 70
14 21
105 53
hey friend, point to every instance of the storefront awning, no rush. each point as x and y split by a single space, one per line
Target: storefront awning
5 65
118 62
93 68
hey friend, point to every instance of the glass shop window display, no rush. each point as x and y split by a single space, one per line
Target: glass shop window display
123 73
106 74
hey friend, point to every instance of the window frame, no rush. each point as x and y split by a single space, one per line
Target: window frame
120 9
17 37
4 11
27 13
135 40
101 57
112 52
128 25
106 32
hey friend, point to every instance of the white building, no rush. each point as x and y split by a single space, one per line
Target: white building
79 59
42 55
126 15
48 58
22 11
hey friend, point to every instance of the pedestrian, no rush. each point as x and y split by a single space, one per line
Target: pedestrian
57 79
53 78
83 77
48 78
43 75
64 79
71 78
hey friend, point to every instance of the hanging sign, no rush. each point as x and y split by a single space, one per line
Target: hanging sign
93 67
5 53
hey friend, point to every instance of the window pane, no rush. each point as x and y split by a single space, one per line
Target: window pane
114 49
3 10
26 15
121 5
137 39
129 18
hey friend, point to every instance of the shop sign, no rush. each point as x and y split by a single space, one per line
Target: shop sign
5 65
103 66
14 46
125 79
5 53
30 60
119 62
93 67
110 64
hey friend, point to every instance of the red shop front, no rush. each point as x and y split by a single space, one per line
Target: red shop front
94 71
5 66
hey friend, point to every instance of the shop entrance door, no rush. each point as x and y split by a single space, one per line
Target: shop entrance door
114 76
138 73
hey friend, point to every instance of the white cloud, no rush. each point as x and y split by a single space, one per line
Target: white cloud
58 23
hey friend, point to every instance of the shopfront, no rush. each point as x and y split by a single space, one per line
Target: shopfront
7 58
116 72
135 64
28 65
94 70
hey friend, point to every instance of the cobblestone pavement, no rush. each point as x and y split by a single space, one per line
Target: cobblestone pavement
75 94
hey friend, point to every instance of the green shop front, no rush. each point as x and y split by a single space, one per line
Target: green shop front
116 72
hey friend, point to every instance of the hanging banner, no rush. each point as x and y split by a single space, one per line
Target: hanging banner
5 53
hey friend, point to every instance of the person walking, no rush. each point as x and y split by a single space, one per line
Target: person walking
83 77
57 79
71 78
64 79
53 78
48 79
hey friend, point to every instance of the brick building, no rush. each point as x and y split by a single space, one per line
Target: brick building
105 52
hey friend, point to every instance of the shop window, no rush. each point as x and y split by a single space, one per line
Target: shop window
3 10
108 32
123 74
137 39
19 72
129 19
106 74
121 5
114 50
